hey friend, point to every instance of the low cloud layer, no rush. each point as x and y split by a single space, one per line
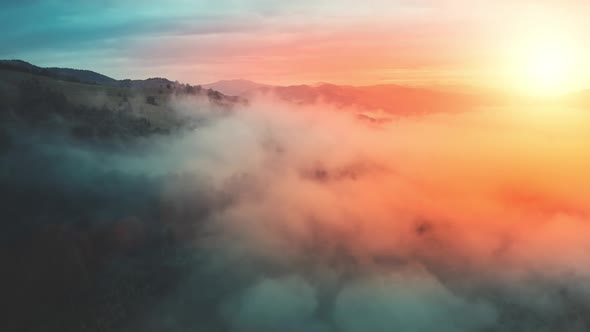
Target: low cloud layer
428 222
275 217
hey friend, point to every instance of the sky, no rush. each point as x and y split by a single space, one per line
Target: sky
448 42
300 216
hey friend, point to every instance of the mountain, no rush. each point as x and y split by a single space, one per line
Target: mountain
18 64
93 107
86 76
150 83
66 74
157 85
389 98
234 87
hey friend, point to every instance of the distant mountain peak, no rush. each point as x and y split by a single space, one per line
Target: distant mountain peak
318 84
68 74
234 87
17 63
84 75
236 80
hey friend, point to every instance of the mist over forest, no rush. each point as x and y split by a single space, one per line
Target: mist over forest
160 206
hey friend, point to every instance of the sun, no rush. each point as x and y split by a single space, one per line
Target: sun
543 57
544 63
547 67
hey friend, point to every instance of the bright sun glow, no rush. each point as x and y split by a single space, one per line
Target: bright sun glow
543 57
547 66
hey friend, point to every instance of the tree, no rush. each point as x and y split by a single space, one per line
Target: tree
151 100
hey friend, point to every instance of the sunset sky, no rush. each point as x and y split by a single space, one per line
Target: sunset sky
522 45
440 183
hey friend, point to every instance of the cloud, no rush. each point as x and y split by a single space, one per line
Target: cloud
275 216
405 225
286 304
408 300
142 39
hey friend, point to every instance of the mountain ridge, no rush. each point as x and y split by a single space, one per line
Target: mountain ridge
66 74
234 87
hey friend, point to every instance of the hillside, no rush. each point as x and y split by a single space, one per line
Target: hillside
61 99
65 74
80 181
86 76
